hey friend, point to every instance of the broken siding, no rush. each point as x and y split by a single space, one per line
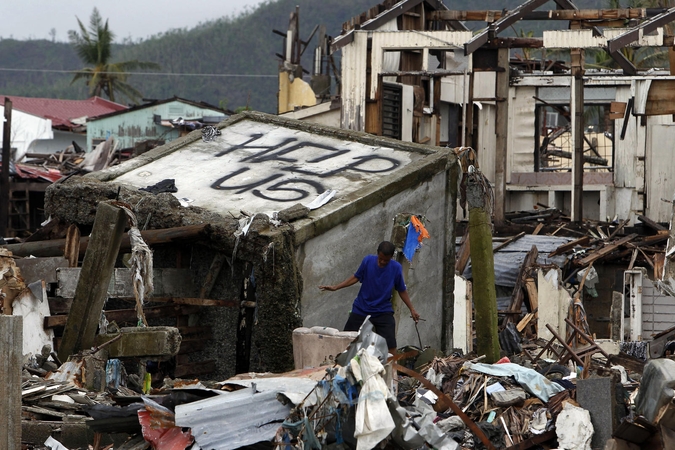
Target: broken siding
626 160
520 157
487 140
383 40
660 165
354 64
658 310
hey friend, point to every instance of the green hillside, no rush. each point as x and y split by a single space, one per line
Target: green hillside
240 45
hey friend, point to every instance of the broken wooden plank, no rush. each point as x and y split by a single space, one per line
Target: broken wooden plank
129 315
97 269
518 294
56 247
649 223
463 254
564 248
216 266
538 229
508 241
525 321
622 224
532 294
629 362
609 248
44 411
72 249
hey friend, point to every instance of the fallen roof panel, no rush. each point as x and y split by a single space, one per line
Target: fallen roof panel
233 420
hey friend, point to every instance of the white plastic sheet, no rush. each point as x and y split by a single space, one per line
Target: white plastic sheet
373 419
531 380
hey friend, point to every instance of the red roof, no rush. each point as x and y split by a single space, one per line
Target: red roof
63 112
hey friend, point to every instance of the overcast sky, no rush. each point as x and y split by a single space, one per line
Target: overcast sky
33 19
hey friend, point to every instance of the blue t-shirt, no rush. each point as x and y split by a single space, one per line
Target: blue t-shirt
376 286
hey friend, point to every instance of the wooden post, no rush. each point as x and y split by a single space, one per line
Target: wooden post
578 131
4 176
482 266
502 130
92 287
11 354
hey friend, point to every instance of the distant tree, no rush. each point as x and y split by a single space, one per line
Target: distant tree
102 76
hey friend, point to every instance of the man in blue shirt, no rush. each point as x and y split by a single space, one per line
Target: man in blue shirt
378 275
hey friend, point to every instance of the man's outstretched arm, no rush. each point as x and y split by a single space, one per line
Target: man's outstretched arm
406 299
348 282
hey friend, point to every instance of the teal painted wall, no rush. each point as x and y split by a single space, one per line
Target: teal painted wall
137 126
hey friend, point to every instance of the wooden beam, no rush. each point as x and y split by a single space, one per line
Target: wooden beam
500 25
557 14
508 241
605 251
649 223
646 27
56 247
564 248
129 315
463 254
72 250
11 355
92 287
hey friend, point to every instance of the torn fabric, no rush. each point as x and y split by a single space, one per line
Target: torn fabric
413 240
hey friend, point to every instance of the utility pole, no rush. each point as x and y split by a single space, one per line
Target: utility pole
4 176
479 198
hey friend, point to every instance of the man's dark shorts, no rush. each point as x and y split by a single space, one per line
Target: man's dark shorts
384 325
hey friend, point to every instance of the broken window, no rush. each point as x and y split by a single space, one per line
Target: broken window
554 144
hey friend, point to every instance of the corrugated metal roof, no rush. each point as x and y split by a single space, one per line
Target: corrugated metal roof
294 388
234 419
509 258
63 112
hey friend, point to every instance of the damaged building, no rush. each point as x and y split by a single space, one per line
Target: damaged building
256 243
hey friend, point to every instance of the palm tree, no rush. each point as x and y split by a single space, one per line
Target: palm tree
93 46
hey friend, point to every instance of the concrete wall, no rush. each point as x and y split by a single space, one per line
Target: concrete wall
335 255
138 125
